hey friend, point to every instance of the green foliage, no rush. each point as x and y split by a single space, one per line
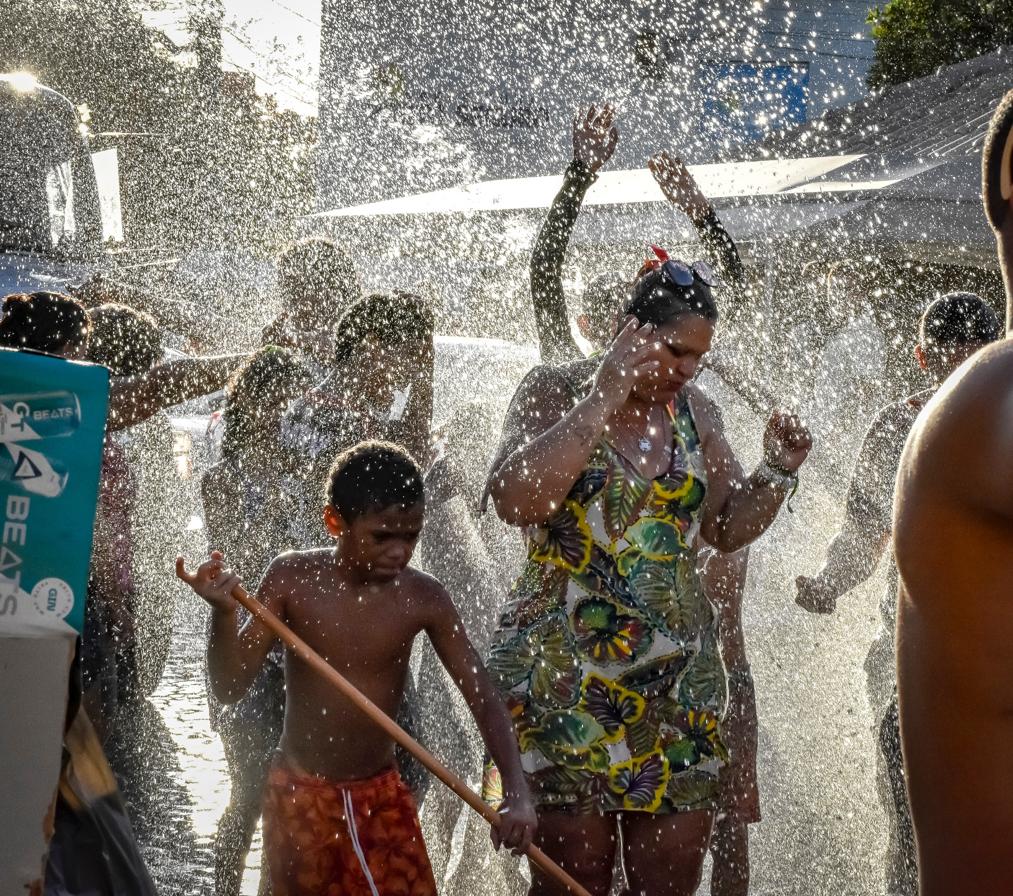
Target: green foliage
204 160
914 37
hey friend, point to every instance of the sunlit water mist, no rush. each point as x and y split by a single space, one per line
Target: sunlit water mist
823 831
174 773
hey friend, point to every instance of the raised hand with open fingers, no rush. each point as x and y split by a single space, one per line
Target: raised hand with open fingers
678 185
595 136
212 581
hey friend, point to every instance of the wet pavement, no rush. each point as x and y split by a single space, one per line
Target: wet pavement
822 831
173 771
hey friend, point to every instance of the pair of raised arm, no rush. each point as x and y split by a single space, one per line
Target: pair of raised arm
595 137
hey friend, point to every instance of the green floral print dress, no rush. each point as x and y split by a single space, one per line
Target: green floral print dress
607 652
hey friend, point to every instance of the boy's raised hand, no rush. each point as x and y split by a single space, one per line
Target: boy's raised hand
212 581
517 824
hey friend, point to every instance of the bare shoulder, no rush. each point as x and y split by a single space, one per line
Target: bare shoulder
706 413
435 608
543 397
424 590
965 432
298 567
974 402
545 384
889 428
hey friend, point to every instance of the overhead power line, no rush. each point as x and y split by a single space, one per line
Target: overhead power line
259 55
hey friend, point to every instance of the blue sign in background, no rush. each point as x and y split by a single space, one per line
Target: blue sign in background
745 101
52 426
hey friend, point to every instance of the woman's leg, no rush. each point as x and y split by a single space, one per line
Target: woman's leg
585 847
663 854
730 851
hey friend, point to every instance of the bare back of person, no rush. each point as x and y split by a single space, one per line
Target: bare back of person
953 536
365 631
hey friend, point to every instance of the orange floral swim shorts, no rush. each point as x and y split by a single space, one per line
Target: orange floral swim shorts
344 838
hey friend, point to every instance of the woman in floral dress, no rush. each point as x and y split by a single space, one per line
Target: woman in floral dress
607 652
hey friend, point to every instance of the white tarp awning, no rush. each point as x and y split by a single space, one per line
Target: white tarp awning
728 180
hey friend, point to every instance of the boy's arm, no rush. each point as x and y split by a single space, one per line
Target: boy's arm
459 658
855 552
234 655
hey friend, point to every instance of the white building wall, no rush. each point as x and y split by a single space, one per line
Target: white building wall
415 98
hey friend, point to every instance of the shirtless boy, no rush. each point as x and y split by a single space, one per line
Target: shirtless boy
337 817
953 540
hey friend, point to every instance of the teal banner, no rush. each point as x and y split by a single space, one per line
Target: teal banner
52 426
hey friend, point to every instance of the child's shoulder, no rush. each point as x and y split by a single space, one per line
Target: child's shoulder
423 587
297 563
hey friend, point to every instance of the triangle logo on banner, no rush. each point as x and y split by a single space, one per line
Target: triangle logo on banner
8 560
25 468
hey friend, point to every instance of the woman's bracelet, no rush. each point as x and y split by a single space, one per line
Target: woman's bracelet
780 478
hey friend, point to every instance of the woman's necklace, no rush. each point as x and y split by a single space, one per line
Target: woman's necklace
645 441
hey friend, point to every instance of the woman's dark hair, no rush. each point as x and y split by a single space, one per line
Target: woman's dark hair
998 150
656 299
373 476
268 379
604 297
398 319
125 340
48 322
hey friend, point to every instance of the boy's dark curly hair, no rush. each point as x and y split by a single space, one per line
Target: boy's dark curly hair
391 319
373 476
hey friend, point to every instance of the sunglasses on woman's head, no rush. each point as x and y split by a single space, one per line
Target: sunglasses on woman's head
681 274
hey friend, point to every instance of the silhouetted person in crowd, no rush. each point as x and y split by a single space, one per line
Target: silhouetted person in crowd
247 516
380 386
93 845
952 329
318 282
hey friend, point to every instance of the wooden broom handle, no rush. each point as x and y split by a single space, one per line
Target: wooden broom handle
378 717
